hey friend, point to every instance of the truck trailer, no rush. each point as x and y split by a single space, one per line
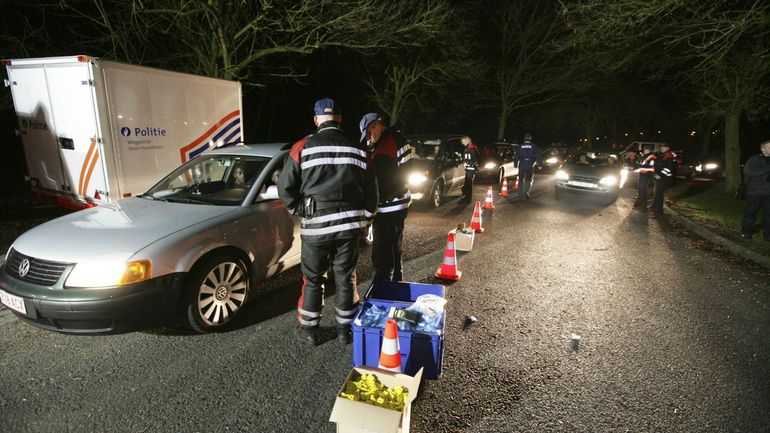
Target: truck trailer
94 130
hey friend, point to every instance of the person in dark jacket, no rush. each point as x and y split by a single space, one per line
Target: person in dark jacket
646 170
527 159
756 174
471 160
389 151
665 168
326 182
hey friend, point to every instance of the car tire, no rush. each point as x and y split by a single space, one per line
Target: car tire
217 291
434 199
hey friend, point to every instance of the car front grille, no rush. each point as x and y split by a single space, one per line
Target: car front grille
40 271
584 179
71 325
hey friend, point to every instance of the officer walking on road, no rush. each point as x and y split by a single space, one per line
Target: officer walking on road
527 158
326 182
471 160
665 168
646 170
756 174
389 151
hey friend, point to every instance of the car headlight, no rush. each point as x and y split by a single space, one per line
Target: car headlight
417 179
552 160
109 273
562 175
712 166
699 167
490 165
609 180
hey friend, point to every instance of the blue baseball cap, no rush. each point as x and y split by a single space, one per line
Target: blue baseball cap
326 107
366 121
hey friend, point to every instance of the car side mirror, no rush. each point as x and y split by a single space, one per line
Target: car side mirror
271 193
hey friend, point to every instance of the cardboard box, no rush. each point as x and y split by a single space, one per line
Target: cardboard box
464 239
359 417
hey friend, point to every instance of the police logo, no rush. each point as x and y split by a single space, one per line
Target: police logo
125 131
23 268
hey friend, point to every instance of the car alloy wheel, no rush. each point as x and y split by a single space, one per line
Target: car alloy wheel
218 291
435 195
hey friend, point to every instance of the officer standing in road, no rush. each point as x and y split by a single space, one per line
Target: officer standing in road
646 170
389 151
665 168
326 182
471 160
756 174
527 159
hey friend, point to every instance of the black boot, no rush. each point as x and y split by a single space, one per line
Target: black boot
343 335
309 335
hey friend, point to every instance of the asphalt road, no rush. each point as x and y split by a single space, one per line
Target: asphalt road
675 337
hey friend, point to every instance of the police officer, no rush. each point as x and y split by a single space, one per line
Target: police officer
389 151
471 161
665 168
646 170
756 174
526 159
325 181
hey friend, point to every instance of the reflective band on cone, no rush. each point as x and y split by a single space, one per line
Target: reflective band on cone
488 202
504 190
476 220
390 355
449 270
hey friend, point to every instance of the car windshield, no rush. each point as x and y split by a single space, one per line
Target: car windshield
493 151
427 149
210 179
594 159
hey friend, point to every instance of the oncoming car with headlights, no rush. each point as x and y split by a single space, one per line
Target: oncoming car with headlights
600 174
436 169
191 248
496 161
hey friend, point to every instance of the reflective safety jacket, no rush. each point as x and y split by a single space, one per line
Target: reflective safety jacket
646 163
665 165
471 156
528 155
327 183
388 157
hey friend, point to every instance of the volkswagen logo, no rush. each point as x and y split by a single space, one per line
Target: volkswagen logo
221 293
23 267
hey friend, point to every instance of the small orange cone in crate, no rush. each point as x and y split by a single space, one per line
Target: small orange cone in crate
390 355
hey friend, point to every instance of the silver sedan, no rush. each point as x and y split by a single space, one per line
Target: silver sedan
191 248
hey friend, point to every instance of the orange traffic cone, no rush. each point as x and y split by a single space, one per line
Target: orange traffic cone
516 185
504 190
488 202
448 269
390 355
476 220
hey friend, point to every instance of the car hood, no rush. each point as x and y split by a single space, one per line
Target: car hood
589 170
420 165
117 231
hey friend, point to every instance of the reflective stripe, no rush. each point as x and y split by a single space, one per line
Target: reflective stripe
314 322
332 229
405 158
394 208
335 216
403 150
343 321
449 261
333 161
368 214
333 149
345 313
308 313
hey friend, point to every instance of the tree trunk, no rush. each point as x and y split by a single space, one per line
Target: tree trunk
501 126
732 149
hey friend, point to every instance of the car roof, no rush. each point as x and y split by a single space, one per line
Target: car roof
264 149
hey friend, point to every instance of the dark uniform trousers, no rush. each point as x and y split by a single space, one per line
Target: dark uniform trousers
644 185
318 257
756 203
468 185
525 181
388 230
657 199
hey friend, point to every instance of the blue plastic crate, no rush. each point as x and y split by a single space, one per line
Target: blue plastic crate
417 350
404 292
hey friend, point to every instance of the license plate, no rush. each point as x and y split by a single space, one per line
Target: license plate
13 302
583 184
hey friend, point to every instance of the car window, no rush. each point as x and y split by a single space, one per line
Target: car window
425 149
210 179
